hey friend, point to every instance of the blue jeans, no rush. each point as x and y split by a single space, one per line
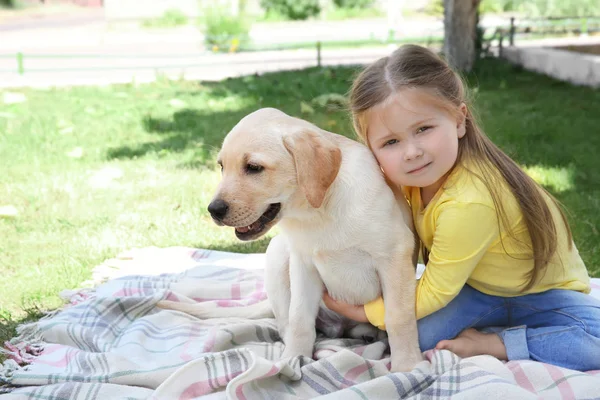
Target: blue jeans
559 327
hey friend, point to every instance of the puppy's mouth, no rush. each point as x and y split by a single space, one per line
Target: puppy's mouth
259 226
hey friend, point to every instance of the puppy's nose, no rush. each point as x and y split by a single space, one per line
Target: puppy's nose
218 208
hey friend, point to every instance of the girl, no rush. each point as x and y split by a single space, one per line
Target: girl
497 247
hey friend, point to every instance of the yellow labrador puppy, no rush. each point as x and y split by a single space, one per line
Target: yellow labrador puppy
343 229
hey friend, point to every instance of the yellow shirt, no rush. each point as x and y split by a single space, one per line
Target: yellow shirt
467 245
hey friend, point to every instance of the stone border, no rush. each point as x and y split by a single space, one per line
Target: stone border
570 66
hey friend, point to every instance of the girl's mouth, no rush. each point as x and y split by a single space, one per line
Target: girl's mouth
417 170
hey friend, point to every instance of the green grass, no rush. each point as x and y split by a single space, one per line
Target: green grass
94 171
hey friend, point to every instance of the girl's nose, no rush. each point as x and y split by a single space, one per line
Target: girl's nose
412 151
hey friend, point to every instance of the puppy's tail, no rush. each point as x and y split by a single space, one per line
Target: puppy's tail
207 310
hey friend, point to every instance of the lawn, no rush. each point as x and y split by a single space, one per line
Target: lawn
94 171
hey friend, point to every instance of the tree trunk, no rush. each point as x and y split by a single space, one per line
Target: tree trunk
460 29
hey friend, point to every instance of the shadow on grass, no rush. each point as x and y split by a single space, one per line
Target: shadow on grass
258 246
188 129
200 130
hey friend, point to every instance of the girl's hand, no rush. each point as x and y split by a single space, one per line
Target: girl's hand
355 313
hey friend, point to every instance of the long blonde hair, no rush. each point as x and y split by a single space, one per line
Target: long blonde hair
413 66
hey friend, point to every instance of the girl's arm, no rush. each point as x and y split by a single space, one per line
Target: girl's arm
463 234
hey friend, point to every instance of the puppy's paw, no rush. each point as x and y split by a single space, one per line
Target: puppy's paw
406 362
295 351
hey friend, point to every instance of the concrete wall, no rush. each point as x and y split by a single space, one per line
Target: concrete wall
570 66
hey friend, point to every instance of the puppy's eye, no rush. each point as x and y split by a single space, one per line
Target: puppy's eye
253 168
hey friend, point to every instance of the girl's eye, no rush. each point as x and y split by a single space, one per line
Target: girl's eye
423 129
253 168
390 142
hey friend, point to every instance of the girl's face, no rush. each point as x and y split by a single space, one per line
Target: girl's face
414 140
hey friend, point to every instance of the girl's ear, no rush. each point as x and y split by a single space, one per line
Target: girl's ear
461 125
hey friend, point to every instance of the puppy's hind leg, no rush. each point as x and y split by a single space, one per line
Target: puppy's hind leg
277 280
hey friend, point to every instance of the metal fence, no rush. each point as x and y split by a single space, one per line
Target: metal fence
22 61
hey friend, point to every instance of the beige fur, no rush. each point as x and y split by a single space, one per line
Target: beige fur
343 229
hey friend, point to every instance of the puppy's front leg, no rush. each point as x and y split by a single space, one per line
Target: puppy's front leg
306 293
277 281
399 290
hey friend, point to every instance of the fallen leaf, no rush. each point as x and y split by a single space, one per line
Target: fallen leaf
305 108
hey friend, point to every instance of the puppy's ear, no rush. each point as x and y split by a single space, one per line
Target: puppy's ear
317 162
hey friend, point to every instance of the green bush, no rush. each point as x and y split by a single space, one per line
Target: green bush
559 8
171 18
435 7
497 6
292 9
353 3
224 32
543 8
12 4
530 8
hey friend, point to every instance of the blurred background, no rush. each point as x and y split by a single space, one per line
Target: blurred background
112 111
105 41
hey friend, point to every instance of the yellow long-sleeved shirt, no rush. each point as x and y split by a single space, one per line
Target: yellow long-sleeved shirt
467 245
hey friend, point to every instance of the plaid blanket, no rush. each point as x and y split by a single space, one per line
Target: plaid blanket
111 342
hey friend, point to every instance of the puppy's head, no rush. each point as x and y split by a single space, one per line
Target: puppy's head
271 163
